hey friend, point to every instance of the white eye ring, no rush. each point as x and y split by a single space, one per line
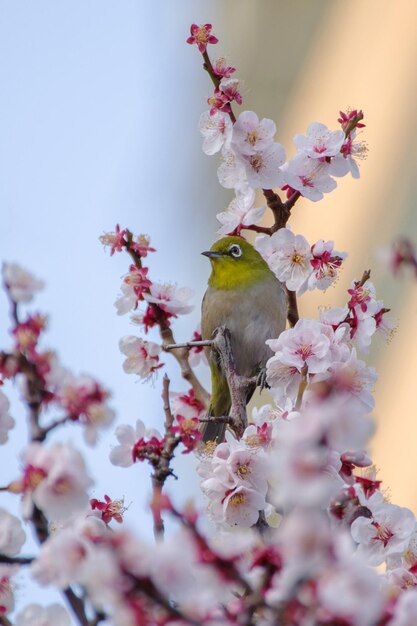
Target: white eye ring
235 250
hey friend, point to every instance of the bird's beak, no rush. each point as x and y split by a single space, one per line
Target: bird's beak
212 254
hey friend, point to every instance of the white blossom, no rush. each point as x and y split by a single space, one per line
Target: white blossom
6 421
37 615
170 298
320 142
142 356
21 284
251 135
216 130
12 535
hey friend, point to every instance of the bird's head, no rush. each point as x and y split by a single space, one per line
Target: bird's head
235 264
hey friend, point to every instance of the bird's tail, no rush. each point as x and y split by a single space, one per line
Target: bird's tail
219 407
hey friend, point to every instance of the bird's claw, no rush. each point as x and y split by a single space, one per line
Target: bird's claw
261 379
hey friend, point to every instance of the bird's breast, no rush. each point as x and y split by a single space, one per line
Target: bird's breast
252 316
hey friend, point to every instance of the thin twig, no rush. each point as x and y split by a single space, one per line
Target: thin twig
180 354
16 560
189 344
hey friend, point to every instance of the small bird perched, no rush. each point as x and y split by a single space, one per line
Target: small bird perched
246 297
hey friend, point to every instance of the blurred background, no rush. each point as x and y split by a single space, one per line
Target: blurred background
99 111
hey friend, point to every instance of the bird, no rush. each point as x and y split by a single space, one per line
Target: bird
244 295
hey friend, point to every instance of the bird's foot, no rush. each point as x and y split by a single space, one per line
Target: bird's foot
261 379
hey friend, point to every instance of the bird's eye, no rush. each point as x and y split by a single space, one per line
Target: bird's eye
235 251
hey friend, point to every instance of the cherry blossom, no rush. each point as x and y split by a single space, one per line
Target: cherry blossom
405 612
12 535
216 130
110 509
239 214
196 354
310 177
222 69
201 36
345 162
54 479
127 301
115 240
251 135
291 260
7 601
387 532
170 298
141 245
230 88
142 356
127 436
263 169
6 421
231 172
305 345
37 615
320 142
188 430
325 262
21 284
186 404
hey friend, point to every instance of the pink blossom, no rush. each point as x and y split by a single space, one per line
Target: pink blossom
37 615
110 509
219 101
325 262
216 130
196 354
6 421
123 455
142 245
230 88
345 162
201 36
55 479
222 69
352 378
20 283
142 356
308 176
137 278
352 116
188 430
61 558
405 611
170 298
291 260
251 135
239 214
6 590
116 240
241 507
186 404
320 142
305 345
387 532
12 535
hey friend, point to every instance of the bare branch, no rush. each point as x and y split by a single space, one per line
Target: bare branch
239 386
189 344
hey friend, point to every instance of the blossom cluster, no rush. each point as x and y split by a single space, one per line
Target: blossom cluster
296 263
41 376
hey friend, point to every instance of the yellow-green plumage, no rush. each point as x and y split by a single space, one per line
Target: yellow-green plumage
245 296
